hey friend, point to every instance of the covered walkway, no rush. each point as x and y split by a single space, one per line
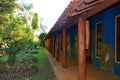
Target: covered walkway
70 73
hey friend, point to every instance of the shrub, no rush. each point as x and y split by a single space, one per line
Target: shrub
22 62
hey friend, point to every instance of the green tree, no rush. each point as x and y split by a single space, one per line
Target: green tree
35 22
27 10
41 37
7 7
27 6
42 26
15 36
34 25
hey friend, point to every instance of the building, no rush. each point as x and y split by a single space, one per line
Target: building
89 31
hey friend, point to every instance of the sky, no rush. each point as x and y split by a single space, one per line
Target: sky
49 10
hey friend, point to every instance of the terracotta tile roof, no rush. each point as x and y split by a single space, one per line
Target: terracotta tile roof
64 15
85 5
78 8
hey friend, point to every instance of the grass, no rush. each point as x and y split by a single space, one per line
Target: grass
45 70
4 58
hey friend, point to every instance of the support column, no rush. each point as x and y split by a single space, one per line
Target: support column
81 50
49 44
64 48
53 46
48 48
58 48
56 45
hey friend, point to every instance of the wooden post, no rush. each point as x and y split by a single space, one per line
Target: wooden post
49 44
58 48
53 46
81 50
64 48
56 45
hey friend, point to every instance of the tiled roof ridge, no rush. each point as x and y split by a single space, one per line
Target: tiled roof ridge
69 8
73 11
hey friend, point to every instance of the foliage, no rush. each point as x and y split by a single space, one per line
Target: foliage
7 7
27 6
34 51
45 69
15 36
37 45
4 58
14 30
42 26
26 9
35 21
22 62
41 37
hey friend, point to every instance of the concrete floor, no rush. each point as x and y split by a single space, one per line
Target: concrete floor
70 73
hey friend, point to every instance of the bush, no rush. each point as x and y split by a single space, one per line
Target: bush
22 62
41 37
34 52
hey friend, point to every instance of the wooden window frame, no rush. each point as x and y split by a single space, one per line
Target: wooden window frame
116 39
96 51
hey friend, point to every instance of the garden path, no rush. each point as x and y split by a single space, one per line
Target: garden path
70 73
